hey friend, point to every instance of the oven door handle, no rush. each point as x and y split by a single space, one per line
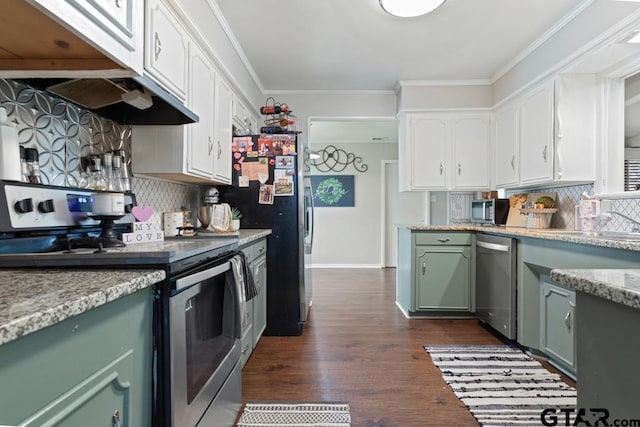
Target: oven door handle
202 275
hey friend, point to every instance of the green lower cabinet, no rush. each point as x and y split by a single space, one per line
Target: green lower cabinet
93 369
260 301
436 273
256 309
442 278
557 329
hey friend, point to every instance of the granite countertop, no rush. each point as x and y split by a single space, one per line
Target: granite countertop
617 285
568 236
248 236
34 299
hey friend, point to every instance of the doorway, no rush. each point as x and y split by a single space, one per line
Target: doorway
408 207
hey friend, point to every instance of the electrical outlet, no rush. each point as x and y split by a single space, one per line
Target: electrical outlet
606 205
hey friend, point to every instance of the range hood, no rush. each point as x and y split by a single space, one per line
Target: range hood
106 97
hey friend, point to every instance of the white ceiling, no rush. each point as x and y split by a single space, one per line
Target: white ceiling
298 45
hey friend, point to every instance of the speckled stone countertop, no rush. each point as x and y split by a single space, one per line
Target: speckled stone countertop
248 236
569 236
34 299
621 286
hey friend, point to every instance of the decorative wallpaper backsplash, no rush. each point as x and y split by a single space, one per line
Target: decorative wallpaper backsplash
63 133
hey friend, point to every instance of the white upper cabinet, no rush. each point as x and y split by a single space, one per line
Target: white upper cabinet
444 151
198 152
506 155
548 135
115 27
536 135
471 142
200 135
223 131
428 138
166 56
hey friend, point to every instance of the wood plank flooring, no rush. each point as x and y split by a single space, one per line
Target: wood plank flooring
358 348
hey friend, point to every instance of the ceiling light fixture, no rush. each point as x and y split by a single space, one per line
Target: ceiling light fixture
409 8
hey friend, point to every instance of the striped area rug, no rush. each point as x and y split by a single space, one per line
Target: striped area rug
501 385
284 414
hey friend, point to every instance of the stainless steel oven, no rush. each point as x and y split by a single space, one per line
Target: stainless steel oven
204 325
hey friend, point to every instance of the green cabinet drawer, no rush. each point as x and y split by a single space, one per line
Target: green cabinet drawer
447 238
260 248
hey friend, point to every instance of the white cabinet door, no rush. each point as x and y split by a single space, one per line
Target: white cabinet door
166 49
223 131
202 78
115 27
536 135
471 138
506 147
428 138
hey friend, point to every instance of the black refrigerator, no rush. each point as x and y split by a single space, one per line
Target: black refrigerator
272 190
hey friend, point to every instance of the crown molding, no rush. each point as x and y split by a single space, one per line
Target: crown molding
478 82
330 92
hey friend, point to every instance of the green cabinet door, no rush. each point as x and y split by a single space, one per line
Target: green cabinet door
557 337
442 278
260 300
94 369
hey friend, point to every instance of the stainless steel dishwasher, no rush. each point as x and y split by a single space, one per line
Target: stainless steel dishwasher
496 283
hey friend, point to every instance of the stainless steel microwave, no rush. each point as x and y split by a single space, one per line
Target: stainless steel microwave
490 211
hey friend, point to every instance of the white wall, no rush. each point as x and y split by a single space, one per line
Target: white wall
444 96
350 237
564 46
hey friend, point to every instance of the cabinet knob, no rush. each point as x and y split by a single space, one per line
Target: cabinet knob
157 46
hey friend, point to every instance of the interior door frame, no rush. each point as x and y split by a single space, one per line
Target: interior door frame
383 210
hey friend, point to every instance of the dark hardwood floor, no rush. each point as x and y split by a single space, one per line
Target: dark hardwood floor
357 347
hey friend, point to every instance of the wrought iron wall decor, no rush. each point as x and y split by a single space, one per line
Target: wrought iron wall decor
333 159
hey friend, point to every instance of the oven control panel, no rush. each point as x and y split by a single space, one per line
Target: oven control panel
26 207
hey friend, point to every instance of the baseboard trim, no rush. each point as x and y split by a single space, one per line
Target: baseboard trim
346 266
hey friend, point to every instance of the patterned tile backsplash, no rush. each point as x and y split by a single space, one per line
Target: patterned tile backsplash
63 133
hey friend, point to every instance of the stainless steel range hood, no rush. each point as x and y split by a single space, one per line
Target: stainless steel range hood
105 98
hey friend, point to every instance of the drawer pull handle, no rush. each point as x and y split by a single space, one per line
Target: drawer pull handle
441 168
219 150
118 4
115 420
567 320
443 240
459 168
544 154
513 162
424 267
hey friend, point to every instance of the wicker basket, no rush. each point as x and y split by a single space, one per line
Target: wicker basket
539 218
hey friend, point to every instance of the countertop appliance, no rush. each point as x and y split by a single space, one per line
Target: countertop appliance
290 218
489 211
496 283
197 309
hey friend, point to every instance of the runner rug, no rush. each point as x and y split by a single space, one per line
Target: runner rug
501 385
322 414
